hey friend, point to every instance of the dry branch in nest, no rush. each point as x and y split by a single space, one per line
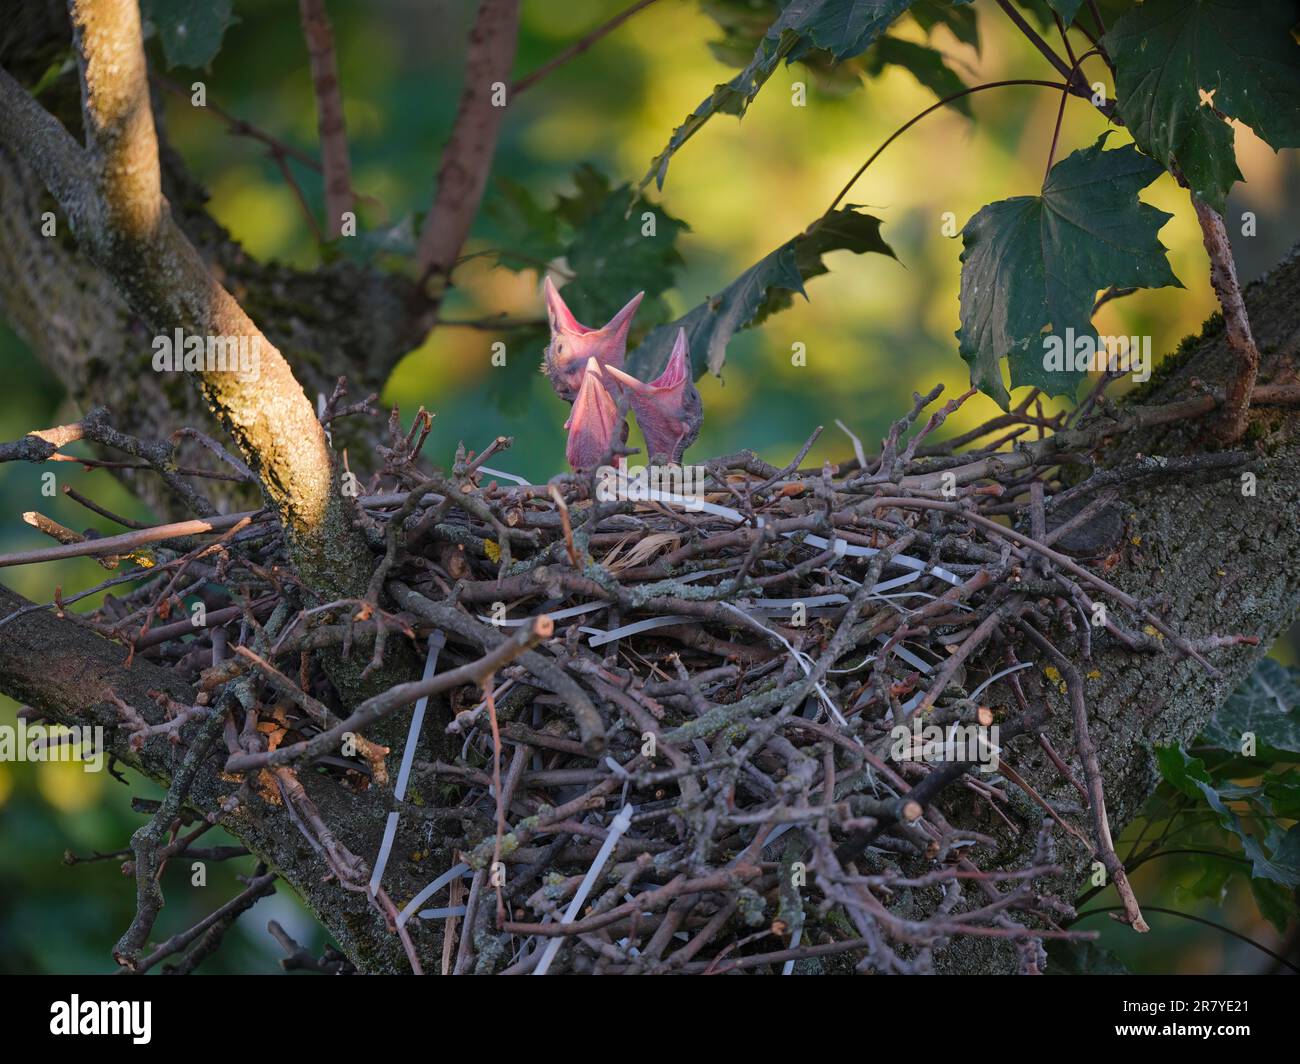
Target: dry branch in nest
733 730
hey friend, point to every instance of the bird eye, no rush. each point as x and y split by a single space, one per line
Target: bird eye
559 347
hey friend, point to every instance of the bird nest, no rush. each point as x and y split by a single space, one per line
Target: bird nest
686 719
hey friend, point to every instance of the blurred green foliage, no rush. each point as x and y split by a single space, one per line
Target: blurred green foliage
874 329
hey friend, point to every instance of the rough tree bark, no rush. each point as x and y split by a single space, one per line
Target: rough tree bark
1223 561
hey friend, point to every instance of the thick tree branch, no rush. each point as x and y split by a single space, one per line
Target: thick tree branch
118 119
125 225
467 158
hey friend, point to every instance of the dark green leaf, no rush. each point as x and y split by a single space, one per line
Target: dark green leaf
1032 265
957 16
190 30
1286 849
1276 903
1212 883
1282 794
925 64
602 232
841 27
613 255
591 190
1180 771
763 288
398 239
1041 11
1189 775
1067 9
527 234
510 387
1082 958
1267 705
1167 52
743 24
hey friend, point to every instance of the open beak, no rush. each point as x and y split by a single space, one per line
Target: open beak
557 310
591 424
668 408
616 329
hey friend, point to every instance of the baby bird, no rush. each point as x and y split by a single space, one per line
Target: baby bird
668 409
586 368
573 343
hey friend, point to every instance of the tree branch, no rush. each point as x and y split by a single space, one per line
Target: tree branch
467 158
1223 277
578 47
335 162
125 226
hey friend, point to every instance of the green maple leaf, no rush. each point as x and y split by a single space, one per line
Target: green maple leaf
1067 9
1240 52
1267 705
528 232
923 63
613 253
1032 265
190 30
603 232
1189 775
959 19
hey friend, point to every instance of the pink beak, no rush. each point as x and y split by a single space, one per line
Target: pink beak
616 329
572 343
557 310
591 424
668 409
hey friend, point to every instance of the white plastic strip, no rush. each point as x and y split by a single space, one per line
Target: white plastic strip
917 663
841 547
430 890
522 481
555 615
385 848
599 636
436 641
803 661
621 823
997 676
813 600
443 913
788 967
696 505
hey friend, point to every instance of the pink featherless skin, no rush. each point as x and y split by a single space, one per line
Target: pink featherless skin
573 343
593 421
668 408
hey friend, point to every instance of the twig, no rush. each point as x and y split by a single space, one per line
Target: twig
578 47
1235 415
1087 751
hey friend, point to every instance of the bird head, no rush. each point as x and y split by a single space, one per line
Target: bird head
668 408
573 344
